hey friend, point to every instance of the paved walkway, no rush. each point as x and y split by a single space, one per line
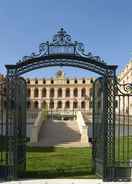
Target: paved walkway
64 181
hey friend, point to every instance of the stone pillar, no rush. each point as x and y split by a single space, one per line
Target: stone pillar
32 92
39 93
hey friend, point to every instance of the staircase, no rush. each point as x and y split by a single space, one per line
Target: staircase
59 133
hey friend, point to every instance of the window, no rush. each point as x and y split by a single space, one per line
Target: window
36 92
59 105
83 92
75 92
83 104
59 92
67 92
67 105
75 105
52 92
36 105
43 92
51 104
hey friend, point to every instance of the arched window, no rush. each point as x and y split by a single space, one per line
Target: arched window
75 104
59 104
52 92
83 105
28 105
36 92
83 92
67 105
44 104
59 92
43 92
51 104
36 105
67 92
28 92
75 92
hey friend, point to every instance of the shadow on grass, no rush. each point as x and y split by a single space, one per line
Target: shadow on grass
40 149
60 173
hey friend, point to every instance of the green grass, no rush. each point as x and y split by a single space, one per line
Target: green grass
123 151
59 163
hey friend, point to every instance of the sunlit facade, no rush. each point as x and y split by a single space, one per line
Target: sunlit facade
60 93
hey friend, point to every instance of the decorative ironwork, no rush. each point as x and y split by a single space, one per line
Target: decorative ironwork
62 51
124 88
62 44
12 127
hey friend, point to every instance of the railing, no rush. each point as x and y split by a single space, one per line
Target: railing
42 117
31 116
82 127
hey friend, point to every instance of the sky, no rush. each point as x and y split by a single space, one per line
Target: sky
104 26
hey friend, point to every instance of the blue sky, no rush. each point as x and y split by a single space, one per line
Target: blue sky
105 28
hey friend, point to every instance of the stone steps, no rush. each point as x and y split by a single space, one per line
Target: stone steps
59 133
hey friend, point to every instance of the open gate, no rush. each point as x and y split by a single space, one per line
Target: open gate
98 127
123 131
12 127
111 120
112 129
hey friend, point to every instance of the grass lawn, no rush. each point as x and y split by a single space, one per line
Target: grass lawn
59 163
123 151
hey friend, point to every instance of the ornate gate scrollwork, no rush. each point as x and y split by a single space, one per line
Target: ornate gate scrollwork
123 131
62 51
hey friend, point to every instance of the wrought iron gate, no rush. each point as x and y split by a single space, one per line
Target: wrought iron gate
123 131
98 127
112 129
111 143
13 127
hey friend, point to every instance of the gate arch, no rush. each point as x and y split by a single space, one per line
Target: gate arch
63 52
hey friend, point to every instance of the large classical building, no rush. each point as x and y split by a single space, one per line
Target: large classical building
60 93
125 75
125 78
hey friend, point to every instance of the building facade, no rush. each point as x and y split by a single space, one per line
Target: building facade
125 78
60 93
